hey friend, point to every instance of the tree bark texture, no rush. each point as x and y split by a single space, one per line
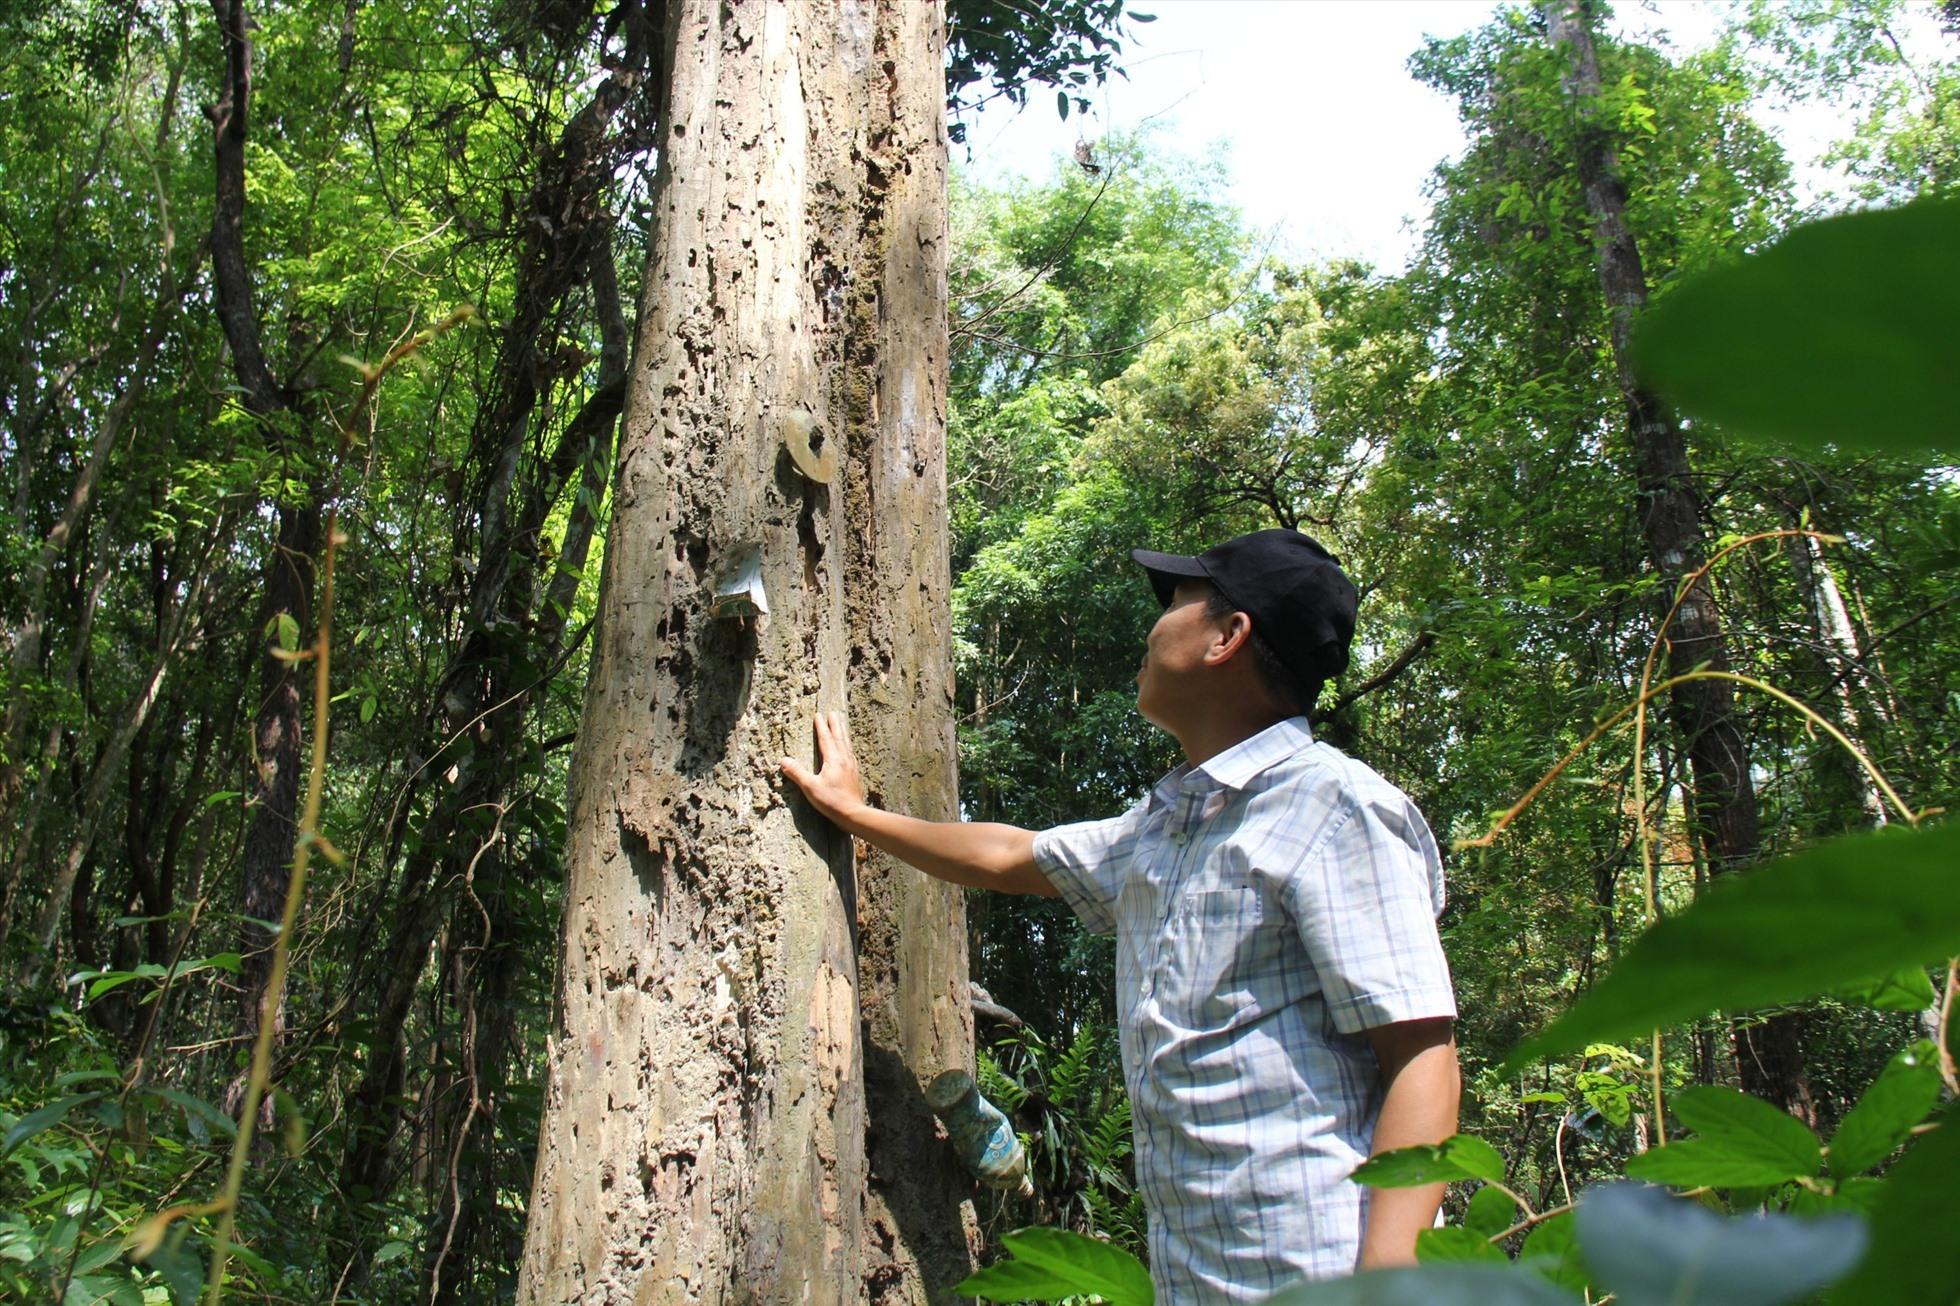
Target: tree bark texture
1769 1053
745 1013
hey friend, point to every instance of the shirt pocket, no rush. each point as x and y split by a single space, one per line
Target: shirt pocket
1220 955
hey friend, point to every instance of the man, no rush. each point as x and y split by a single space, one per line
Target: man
1284 1003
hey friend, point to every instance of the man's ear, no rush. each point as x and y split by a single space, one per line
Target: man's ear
1234 634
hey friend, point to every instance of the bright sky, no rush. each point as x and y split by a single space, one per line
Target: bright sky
1327 138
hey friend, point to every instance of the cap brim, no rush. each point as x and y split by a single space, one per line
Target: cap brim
1167 569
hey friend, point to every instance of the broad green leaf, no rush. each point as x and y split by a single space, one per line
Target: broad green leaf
1857 1195
98 1255
1468 1284
284 630
196 1109
1704 1162
113 980
1456 1243
1914 1256
1650 1249
1453 1160
1898 1099
1050 1264
182 1269
1751 1125
1840 333
1491 1212
1910 989
390 1251
1552 1249
87 1077
1785 931
45 1118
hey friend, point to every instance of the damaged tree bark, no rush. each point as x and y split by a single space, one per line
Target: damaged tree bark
746 1013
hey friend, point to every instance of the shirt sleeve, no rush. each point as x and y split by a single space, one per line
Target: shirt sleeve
1365 903
1087 862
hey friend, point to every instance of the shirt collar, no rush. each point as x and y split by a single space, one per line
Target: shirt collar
1236 767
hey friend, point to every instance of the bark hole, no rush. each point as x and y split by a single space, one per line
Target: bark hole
719 693
807 538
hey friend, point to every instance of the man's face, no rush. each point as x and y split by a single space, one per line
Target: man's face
1171 679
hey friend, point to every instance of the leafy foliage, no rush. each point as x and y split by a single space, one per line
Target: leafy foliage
1793 344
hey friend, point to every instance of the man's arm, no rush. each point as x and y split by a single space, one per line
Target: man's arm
979 855
1419 1105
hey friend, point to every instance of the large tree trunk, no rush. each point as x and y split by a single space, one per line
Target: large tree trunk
1769 1053
914 993
705 1128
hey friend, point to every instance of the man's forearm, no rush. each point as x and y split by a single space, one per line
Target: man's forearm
1420 1106
979 855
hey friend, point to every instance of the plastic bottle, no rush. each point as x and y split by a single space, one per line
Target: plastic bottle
982 1137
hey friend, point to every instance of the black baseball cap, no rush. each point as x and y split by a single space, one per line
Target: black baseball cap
1300 601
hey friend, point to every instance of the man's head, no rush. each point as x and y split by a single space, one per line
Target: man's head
1272 608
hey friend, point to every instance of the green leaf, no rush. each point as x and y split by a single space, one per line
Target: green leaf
368 705
87 1077
1050 1264
283 630
181 1267
113 980
1650 1249
45 1118
1903 990
1552 1249
1897 1100
1491 1212
1703 1163
1456 1243
1469 1284
1061 104
1786 931
1857 1195
1450 1161
1840 333
196 1108
390 1251
1752 1126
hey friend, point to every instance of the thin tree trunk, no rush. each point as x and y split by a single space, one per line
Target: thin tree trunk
129 719
1769 1053
704 1134
287 590
1838 661
22 846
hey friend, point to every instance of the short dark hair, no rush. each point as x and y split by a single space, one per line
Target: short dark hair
1281 681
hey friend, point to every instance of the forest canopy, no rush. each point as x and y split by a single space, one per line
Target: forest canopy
317 324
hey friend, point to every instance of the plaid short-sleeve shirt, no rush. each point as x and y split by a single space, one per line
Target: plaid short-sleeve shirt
1269 905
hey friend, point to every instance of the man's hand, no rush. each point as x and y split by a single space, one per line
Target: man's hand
982 855
836 788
